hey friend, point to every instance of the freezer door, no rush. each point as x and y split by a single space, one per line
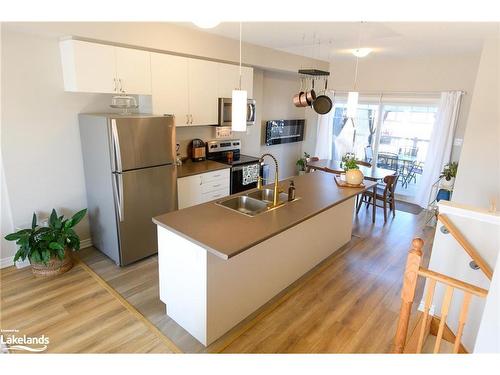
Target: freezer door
141 142
139 196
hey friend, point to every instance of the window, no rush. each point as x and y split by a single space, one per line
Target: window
397 140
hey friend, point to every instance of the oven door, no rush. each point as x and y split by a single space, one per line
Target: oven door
237 185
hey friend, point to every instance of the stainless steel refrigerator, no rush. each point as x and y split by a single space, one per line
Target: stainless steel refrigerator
130 176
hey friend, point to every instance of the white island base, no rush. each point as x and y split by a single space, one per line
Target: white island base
208 295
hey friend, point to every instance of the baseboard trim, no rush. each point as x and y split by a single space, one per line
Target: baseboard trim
9 261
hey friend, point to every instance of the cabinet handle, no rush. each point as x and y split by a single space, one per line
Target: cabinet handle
187 119
114 83
191 122
121 87
216 185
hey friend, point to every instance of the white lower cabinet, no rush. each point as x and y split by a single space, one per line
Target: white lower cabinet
201 188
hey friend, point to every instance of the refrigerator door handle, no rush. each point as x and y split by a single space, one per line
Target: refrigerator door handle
118 190
116 146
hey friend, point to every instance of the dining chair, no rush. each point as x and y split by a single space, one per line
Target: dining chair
385 193
364 163
388 160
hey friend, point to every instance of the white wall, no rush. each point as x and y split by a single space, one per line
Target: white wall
488 337
481 229
478 177
420 74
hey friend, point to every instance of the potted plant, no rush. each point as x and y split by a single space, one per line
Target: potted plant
48 247
302 163
448 176
353 175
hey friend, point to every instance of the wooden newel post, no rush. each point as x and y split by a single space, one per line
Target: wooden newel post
408 293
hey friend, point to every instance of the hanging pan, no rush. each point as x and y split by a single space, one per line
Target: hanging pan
296 97
323 104
311 94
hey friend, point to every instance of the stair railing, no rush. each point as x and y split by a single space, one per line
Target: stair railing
412 271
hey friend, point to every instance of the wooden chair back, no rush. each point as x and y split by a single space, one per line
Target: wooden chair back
363 163
390 184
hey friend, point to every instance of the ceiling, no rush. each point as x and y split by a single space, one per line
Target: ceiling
329 40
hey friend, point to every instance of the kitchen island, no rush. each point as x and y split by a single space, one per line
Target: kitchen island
217 266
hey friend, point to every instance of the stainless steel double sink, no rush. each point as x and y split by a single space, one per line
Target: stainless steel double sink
255 202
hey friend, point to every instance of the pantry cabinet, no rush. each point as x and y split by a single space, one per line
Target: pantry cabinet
101 68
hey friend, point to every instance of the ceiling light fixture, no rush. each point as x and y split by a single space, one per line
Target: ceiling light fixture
206 23
239 105
361 52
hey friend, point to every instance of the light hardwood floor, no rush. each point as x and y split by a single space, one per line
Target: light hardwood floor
75 312
347 304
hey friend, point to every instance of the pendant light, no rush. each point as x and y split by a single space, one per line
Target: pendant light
239 105
353 96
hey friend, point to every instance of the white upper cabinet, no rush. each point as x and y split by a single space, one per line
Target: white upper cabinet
101 68
184 87
203 92
169 86
228 79
133 71
88 67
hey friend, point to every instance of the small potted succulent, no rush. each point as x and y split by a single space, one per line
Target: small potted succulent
353 175
448 176
48 247
302 163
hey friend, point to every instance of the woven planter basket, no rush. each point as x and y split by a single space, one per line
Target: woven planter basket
54 266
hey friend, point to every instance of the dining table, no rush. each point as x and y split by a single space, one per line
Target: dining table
372 173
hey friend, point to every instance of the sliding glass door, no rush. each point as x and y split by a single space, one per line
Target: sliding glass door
391 135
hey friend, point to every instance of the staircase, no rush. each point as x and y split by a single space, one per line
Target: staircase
431 333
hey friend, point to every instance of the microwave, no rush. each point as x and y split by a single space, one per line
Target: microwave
225 108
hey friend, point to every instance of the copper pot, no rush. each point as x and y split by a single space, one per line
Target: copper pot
303 99
296 99
311 95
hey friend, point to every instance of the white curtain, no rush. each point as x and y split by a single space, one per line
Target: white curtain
440 145
344 142
324 133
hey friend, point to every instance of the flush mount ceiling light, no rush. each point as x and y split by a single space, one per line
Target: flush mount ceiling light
361 52
206 23
239 105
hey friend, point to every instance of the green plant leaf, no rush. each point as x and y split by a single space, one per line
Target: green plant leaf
56 246
13 236
53 218
78 217
19 254
35 256
33 221
46 255
60 254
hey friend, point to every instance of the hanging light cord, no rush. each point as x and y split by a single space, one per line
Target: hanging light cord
357 58
239 87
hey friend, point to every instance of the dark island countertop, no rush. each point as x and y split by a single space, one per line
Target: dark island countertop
190 168
227 233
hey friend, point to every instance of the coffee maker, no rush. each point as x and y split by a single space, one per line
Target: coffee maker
198 151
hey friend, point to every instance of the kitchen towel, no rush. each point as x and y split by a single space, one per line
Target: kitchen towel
250 173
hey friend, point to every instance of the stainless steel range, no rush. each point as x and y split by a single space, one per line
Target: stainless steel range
243 167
